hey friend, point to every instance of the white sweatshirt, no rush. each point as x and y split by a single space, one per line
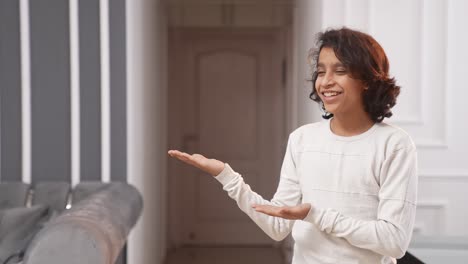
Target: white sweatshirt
362 190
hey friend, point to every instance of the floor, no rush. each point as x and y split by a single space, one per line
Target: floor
222 255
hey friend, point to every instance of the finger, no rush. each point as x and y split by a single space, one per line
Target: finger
189 159
176 152
194 157
267 209
196 160
192 160
182 157
176 155
173 153
268 213
198 156
179 154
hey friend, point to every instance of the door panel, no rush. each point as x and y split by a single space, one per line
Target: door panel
231 103
228 104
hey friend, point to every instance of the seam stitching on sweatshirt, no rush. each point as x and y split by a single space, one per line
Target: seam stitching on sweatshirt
401 200
366 194
336 154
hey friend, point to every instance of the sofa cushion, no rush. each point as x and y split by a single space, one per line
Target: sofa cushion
13 194
17 227
53 194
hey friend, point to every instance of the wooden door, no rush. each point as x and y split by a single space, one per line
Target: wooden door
226 102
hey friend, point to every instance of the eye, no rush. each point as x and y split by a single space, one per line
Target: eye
341 71
320 73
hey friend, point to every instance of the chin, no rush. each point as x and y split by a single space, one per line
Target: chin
331 110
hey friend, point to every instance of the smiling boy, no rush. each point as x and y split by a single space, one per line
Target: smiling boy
348 184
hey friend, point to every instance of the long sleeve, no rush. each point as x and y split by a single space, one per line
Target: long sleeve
391 232
288 193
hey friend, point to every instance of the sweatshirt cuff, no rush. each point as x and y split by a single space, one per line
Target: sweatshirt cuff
226 175
324 219
314 216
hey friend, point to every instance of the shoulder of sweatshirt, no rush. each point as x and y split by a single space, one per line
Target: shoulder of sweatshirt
309 130
394 138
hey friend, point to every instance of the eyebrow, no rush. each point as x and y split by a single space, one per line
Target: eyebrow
336 65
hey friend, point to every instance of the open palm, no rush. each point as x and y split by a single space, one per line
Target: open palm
297 212
211 166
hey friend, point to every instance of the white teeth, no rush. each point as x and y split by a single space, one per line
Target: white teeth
327 94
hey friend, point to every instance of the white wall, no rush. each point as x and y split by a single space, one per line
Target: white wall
146 113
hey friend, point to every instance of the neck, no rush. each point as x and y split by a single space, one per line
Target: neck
351 125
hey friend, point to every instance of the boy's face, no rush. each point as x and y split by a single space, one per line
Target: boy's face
340 93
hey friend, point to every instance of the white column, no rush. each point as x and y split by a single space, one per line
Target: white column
75 92
307 23
105 90
25 91
146 126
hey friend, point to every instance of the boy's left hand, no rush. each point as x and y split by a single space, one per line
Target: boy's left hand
297 212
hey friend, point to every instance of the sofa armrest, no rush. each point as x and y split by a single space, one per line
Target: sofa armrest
93 231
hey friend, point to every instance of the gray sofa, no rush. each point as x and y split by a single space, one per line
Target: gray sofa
50 223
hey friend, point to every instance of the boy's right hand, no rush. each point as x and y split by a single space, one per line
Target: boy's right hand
210 166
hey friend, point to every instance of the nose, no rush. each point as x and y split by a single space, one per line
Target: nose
327 80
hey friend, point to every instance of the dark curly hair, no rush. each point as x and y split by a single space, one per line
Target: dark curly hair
365 59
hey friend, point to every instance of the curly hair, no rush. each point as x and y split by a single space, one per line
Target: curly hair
365 59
